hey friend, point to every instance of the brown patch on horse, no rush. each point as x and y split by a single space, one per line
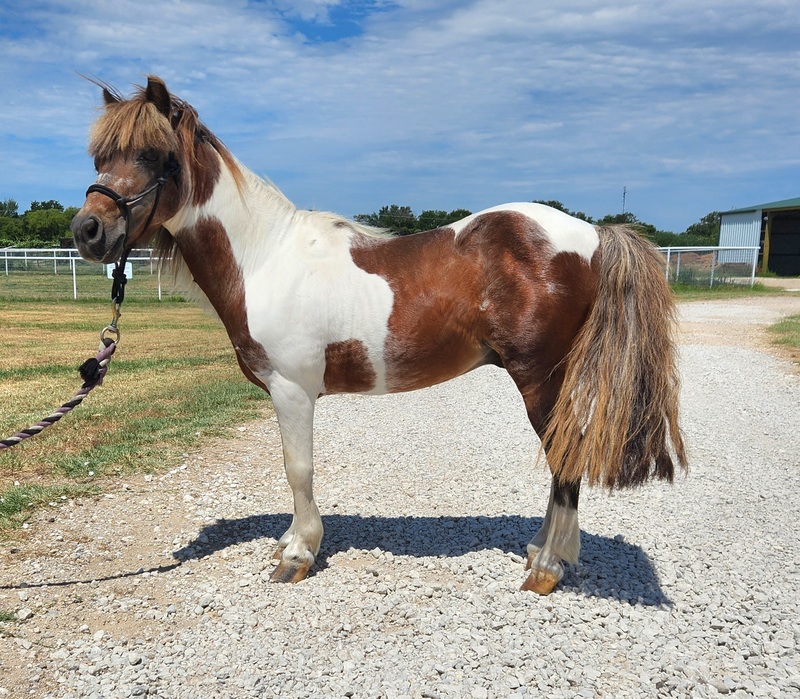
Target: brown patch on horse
207 251
436 325
538 300
348 368
497 293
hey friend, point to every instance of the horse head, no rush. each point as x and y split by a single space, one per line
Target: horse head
138 155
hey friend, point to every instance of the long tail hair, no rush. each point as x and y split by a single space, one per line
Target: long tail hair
616 417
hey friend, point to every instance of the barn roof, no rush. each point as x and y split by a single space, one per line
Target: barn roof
770 206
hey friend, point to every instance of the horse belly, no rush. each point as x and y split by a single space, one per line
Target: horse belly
431 355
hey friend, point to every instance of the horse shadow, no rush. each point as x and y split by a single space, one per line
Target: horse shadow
609 567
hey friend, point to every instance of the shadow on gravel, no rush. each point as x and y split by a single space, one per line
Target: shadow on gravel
608 567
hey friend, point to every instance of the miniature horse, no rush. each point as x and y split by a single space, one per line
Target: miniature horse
580 316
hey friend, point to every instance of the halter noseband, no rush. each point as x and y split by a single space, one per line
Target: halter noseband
126 204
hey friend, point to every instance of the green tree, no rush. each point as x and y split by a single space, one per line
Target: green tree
626 218
46 226
555 204
430 219
457 215
398 219
707 228
46 205
12 230
9 208
435 218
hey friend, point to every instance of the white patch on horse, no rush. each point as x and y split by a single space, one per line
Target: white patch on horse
303 291
567 233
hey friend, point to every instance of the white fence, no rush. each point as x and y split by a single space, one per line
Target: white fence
24 259
711 265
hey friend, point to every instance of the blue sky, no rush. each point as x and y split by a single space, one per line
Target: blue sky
436 104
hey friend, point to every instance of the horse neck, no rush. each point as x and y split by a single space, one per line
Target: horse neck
223 238
254 214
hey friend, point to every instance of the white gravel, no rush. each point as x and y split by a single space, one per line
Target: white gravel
428 500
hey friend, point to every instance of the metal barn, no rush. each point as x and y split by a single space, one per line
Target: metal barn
774 226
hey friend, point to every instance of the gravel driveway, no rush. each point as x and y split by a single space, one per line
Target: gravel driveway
159 588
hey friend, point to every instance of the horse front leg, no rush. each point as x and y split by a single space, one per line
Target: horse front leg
558 540
298 547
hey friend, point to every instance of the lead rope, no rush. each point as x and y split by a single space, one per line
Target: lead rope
93 370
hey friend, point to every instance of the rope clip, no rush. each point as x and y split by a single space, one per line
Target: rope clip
111 331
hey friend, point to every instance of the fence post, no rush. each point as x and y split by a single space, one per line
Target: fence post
666 275
74 279
713 265
755 264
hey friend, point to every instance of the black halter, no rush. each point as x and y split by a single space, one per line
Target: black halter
126 204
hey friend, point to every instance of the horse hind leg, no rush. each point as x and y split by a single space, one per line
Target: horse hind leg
559 537
558 540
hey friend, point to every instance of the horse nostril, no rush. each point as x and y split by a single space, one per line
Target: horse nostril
90 229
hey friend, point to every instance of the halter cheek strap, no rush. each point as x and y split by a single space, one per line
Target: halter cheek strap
126 204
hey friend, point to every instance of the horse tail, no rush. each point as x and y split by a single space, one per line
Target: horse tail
616 417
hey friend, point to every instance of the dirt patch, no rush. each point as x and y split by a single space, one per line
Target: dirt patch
739 323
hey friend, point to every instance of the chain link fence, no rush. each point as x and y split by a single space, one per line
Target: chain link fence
710 266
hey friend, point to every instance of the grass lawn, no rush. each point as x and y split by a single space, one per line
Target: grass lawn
690 292
173 381
787 332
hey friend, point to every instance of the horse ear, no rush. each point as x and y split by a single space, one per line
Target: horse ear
158 94
109 98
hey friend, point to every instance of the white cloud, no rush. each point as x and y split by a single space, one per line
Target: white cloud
450 104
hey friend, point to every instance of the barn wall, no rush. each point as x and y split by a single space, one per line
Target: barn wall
740 229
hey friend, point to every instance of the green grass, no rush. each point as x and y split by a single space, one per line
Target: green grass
39 283
172 383
787 332
691 292
18 501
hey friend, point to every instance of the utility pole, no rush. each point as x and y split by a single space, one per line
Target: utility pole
624 196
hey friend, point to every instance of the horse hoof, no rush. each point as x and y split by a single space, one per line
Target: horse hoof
278 553
542 582
289 572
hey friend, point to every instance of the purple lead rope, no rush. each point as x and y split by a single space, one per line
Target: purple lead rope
93 376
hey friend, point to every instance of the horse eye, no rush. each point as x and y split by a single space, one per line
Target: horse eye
149 156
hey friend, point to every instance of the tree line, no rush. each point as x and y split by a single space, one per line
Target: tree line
44 225
401 220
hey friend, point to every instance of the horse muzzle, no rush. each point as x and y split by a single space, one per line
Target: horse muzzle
95 241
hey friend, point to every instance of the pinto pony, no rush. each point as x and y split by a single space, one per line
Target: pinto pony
580 316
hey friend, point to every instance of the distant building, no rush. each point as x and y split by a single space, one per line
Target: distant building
774 226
